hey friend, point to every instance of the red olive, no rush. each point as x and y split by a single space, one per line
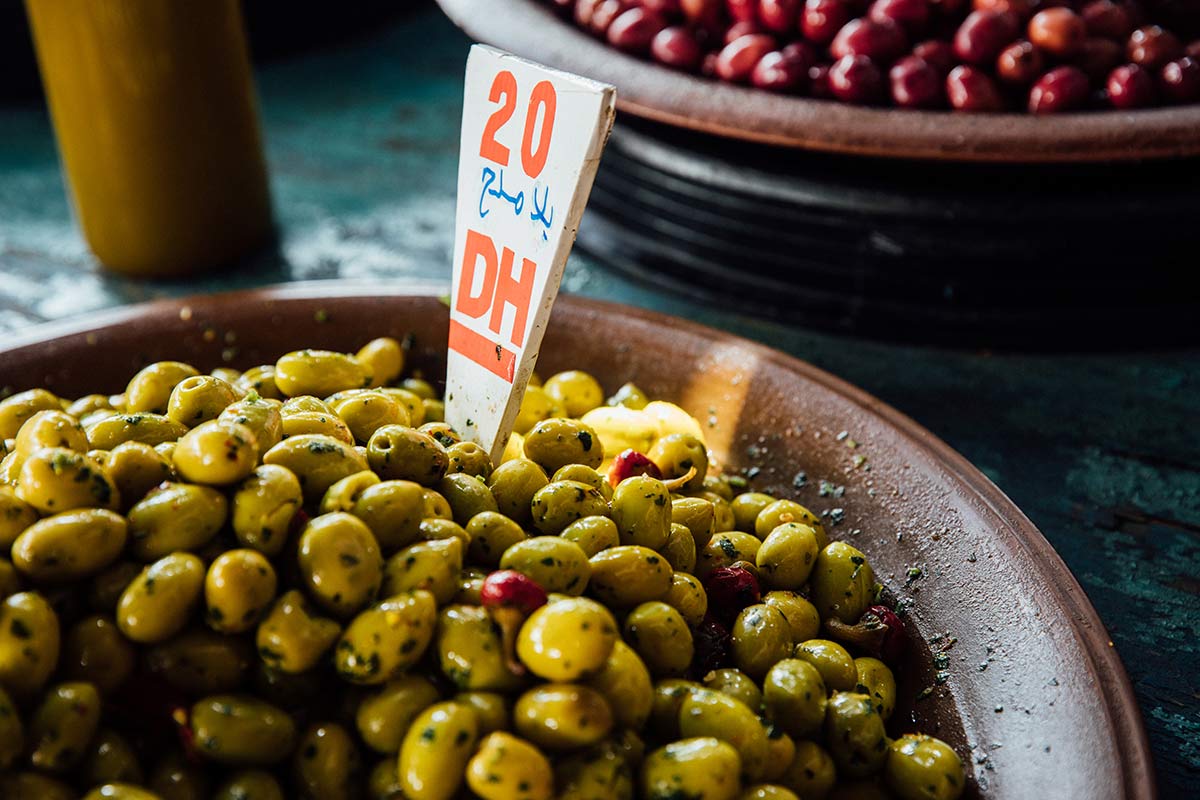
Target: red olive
882 41
677 47
1060 89
508 588
856 79
1151 47
737 59
803 51
634 30
779 73
822 19
1130 86
1097 58
739 29
911 15
779 16
729 590
742 10
1107 19
970 89
703 13
712 641
983 35
915 83
1021 9
630 463
818 82
1020 63
939 55
1180 80
1058 31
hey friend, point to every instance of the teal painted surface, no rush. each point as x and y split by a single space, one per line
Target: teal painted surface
1101 451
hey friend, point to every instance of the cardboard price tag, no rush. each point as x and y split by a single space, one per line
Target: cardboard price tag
531 143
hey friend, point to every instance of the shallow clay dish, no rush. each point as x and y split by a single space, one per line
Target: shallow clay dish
531 28
1031 692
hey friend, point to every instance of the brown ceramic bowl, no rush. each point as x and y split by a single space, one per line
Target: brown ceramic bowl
1033 696
530 28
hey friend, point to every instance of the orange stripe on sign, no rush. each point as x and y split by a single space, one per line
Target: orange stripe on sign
482 351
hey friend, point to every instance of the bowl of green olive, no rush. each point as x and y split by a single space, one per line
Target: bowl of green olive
245 557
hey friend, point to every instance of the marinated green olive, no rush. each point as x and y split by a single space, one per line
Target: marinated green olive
10 579
94 651
491 709
854 731
317 461
677 454
250 784
832 661
470 652
746 508
811 772
625 682
70 545
151 429
62 725
292 638
120 791
56 479
786 556
239 586
216 453
556 564
761 637
50 429
707 713
470 458
412 403
176 777
342 495
157 603
136 468
576 391
385 716
923 768
327 765
592 534
641 507
433 566
629 396
386 639
556 505
241 730
340 562
492 534
554 443
366 412
702 767
319 373
513 484
435 528
737 685
15 516
725 549
767 791
150 390
661 637
843 583
800 614
435 751
174 517
536 406
781 749
443 432
599 774
669 695
567 640
263 417
876 681
393 511
105 588
584 474
202 662
467 496
305 404
507 767
384 781
260 379
781 511
397 452
12 733
315 423
562 716
264 506
698 515
794 696
111 759
29 642
198 399
680 549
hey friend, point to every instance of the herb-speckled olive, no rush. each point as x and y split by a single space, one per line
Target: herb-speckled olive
305 404
111 759
661 637
567 640
94 651
152 429
327 764
157 603
625 682
70 545
239 586
599 774
921 767
575 390
761 637
724 549
876 681
554 563
470 458
216 453
811 773
241 730
641 507
433 566
250 784
786 556
854 731
669 695
319 373
592 534
467 496
536 406
410 401
736 684
15 516
435 505
800 614
832 661
584 474
264 506
435 751
707 713
555 443
198 399
491 709
513 484
340 562
202 662
443 432
677 454
292 638
312 423
680 549
50 429
781 511
470 652
261 416
629 575
62 725
384 781
562 716
383 358
136 468
393 511
506 767
703 768
317 461
794 695
343 495
433 529
698 515
386 639
150 390
398 452
366 412
82 406
260 379
843 583
556 505
12 733
173 517
746 507
491 534
385 716
56 479
687 596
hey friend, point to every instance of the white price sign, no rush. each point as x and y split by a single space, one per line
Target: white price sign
531 143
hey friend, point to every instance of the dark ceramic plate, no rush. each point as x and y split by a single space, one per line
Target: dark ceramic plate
531 28
1027 686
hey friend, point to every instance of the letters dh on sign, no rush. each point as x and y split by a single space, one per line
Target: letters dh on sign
531 142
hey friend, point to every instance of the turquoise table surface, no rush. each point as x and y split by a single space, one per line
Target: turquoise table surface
1101 451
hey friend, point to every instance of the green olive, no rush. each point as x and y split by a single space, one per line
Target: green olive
811 773
176 777
343 495
95 651
736 684
15 516
536 406
202 662
198 399
317 461
629 396
292 638
661 637
50 429
382 642
576 391
492 534
669 695
319 373
12 733
781 511
433 566
629 575
470 458
398 452
305 404
554 563
260 379
82 406
467 496
435 528
599 774
761 636
707 713
555 443
340 562
412 402
393 511
843 583
801 615
443 432
105 588
173 517
250 784
150 390
366 412
832 661
327 764
152 429
567 640
876 681
491 709
241 730
746 508
625 683
687 596
111 759
435 505
723 519
767 791
680 549
641 507
10 579
677 454
62 725
136 468
435 751
384 781
16 409
513 484
724 549
698 515
584 474
506 767
29 642
470 652
592 534
157 603
556 505
239 586
794 695
921 767
562 716
383 358
699 768
786 556
264 506
385 716
854 732
56 479
310 423
262 416
70 545
33 786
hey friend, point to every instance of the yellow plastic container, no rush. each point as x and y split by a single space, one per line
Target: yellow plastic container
154 109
